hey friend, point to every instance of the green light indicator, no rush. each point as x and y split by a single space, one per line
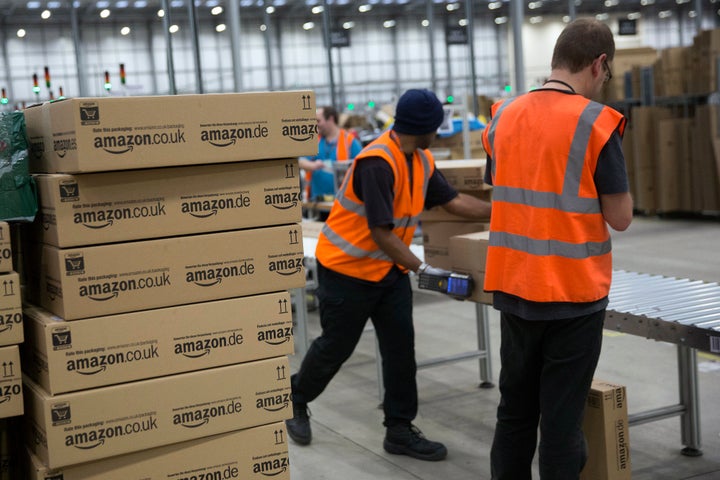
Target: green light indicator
508 89
4 100
371 104
450 99
351 106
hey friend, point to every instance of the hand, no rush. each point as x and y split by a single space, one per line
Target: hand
427 269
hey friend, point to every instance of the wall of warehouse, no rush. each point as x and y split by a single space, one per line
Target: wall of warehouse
378 66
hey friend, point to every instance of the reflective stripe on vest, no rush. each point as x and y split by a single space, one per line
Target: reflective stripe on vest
569 257
345 244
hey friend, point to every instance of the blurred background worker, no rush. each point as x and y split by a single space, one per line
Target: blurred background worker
557 168
336 145
363 255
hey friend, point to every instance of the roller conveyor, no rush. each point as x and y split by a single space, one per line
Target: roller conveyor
672 310
680 311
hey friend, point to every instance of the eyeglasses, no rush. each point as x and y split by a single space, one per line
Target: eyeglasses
608 72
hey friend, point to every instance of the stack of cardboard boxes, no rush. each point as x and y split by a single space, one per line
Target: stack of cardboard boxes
11 335
160 323
438 226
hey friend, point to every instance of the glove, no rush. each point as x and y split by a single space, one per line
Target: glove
428 270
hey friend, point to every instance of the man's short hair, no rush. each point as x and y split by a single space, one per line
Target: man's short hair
580 43
330 112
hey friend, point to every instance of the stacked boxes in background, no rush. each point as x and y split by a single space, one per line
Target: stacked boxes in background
161 318
466 176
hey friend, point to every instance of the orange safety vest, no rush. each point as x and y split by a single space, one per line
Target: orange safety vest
345 244
342 154
548 239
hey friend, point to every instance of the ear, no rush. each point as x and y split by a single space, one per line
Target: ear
597 66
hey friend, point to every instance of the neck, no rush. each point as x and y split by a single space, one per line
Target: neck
407 143
332 135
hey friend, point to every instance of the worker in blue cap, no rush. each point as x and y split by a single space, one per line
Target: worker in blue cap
363 260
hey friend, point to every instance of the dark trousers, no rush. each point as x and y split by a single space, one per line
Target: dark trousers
345 306
547 369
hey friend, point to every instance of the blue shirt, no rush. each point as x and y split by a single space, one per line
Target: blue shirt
322 182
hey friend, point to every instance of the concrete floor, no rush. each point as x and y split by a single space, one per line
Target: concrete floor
347 424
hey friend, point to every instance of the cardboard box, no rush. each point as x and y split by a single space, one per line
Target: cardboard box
91 209
6 257
438 214
464 175
311 228
11 391
66 356
436 239
468 254
103 422
253 453
607 432
100 280
11 317
121 133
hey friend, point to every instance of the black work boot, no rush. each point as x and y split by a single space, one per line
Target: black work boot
298 427
407 439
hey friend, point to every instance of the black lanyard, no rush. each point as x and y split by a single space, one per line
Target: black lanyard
572 90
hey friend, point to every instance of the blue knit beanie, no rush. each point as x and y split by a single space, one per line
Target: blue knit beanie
418 112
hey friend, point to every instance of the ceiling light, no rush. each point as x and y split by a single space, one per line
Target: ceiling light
665 14
535 20
634 16
317 9
364 8
161 13
125 31
216 10
121 4
140 4
348 25
494 5
173 29
601 17
611 3
53 5
102 4
501 20
45 14
566 19
105 13
389 23
21 33
270 10
451 7
647 2
680 2
425 22
220 27
308 25
463 22
534 5
177 3
263 27
692 14
33 5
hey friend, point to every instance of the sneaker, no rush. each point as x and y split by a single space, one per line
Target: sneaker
407 439
298 427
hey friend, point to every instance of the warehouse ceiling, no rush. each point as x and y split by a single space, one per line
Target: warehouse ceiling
17 12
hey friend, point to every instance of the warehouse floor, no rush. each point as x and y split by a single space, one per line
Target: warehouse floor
347 424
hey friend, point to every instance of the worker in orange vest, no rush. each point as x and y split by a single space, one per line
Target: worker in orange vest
335 145
363 259
558 172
